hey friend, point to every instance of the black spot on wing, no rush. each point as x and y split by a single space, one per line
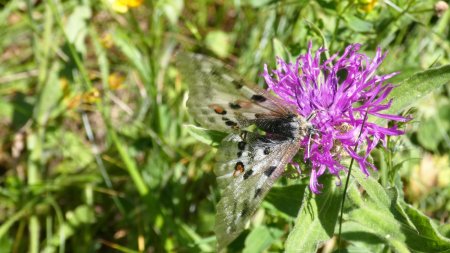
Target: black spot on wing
247 174
239 166
245 209
234 106
239 154
265 139
257 193
215 72
230 123
238 84
218 109
241 145
258 98
268 172
266 150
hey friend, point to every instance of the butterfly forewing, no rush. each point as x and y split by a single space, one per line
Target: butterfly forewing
219 99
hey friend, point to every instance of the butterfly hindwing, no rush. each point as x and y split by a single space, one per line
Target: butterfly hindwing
221 100
248 165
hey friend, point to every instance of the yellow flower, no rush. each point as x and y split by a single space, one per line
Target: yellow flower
86 98
132 3
106 40
91 96
115 81
368 5
122 6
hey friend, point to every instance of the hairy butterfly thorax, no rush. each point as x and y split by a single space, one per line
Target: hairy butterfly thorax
248 162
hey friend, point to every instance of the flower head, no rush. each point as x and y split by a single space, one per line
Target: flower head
337 96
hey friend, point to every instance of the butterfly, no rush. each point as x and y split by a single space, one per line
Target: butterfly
248 161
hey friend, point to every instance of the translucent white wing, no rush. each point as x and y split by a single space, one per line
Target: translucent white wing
248 165
220 100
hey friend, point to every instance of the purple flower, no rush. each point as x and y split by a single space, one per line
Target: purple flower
338 95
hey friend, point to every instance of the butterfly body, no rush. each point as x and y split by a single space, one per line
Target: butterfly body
248 161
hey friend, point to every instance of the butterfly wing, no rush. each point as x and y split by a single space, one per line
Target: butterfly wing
248 163
247 168
221 100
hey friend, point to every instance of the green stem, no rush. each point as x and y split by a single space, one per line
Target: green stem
336 27
346 184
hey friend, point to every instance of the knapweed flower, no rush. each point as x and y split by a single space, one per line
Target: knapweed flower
337 95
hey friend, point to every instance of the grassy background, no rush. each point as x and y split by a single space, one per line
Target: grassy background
95 155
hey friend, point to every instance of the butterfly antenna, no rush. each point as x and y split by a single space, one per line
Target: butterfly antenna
312 115
309 144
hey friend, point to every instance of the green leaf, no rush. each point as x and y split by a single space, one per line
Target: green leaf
375 191
401 226
261 238
428 134
219 43
49 97
376 220
425 237
6 244
206 136
197 239
445 230
254 3
416 87
76 153
317 219
81 216
280 50
357 24
287 199
375 215
76 27
135 56
130 164
172 9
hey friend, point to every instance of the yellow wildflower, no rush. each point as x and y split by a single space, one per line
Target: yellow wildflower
122 6
116 80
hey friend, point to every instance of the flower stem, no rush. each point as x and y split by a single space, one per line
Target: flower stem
346 184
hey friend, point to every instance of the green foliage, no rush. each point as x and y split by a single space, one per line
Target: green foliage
316 219
98 152
380 212
416 87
